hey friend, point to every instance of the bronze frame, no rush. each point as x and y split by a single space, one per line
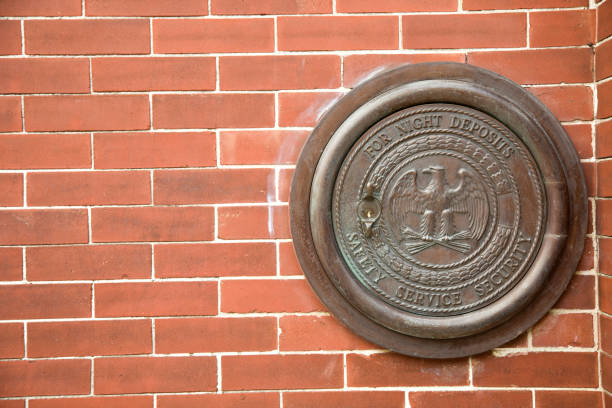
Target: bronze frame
480 89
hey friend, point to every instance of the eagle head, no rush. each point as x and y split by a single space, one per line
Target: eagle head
436 171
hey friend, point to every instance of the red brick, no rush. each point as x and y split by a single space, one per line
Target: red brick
361 66
11 185
287 260
604 16
143 150
604 139
567 103
313 33
89 188
238 7
152 224
587 261
52 8
13 403
156 299
11 268
520 4
44 75
568 399
604 184
261 147
261 222
469 399
580 294
213 111
604 221
10 32
564 330
394 6
391 370
94 402
581 136
74 37
605 333
40 301
603 56
11 340
210 186
69 151
607 400
214 334
554 65
304 108
268 296
45 377
559 370
148 8
273 72
134 375
605 294
352 399
590 178
86 112
207 36
561 28
234 400
218 259
464 30
285 176
89 338
153 74
318 333
605 255
21 227
268 372
604 98
10 113
606 370
88 262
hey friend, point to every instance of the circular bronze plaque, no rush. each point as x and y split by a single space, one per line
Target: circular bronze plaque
438 210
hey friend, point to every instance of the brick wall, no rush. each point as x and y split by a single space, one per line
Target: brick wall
146 151
603 87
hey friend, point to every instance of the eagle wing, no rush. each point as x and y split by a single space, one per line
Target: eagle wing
406 198
470 198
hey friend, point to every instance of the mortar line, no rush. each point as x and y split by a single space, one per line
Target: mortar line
269 16
217 74
219 375
23 126
306 52
93 300
400 31
152 186
24 264
91 391
153 338
25 190
23 36
275 34
25 340
528 32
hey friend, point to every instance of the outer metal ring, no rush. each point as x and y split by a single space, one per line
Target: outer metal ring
472 332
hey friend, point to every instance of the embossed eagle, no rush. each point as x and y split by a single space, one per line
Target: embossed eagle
437 204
